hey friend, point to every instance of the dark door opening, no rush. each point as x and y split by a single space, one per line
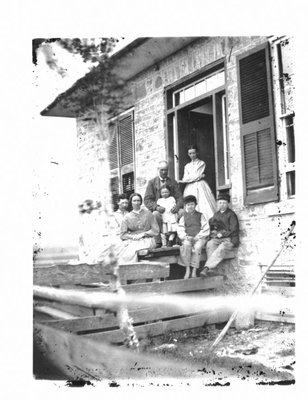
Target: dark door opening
195 126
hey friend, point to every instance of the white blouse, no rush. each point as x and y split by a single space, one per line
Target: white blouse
193 171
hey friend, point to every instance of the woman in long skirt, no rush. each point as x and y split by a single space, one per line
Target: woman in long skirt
138 230
196 185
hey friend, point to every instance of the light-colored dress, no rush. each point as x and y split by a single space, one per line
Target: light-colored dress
119 216
201 190
134 223
169 218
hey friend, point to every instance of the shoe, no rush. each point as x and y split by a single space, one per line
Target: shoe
204 271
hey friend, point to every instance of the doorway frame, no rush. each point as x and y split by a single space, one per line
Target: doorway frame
171 115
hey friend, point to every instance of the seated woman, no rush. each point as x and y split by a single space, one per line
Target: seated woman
138 230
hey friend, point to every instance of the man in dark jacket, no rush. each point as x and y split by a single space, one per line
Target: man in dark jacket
224 234
152 193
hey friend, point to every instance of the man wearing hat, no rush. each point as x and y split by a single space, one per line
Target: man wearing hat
224 234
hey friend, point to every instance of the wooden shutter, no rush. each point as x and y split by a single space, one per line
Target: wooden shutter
121 155
113 147
257 127
126 140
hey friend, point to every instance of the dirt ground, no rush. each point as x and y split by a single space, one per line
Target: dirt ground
264 354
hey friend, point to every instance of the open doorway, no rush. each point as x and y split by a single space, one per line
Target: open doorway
195 126
197 114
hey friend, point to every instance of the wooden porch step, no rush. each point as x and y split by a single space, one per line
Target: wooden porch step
72 310
97 273
160 327
171 254
106 328
104 321
151 288
175 286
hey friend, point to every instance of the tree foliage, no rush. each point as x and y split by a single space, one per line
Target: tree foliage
89 49
100 86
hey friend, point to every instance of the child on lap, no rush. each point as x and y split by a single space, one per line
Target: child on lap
169 225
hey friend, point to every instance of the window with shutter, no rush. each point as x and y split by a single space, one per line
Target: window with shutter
257 127
126 140
121 155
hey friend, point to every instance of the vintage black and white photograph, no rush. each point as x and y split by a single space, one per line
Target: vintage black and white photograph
164 233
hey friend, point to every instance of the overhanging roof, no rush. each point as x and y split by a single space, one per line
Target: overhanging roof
139 55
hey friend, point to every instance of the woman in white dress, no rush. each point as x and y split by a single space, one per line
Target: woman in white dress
196 185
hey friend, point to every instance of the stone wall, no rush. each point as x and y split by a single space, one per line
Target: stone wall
262 226
148 99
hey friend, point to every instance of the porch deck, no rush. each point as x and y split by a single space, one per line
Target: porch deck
98 321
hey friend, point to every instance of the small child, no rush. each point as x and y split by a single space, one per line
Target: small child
169 225
193 230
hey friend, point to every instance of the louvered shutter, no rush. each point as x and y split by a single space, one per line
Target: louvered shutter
257 127
126 140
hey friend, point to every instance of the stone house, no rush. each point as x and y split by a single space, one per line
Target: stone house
233 98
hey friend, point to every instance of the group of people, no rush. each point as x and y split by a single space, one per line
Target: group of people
170 218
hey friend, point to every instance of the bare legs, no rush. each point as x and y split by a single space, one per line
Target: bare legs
190 255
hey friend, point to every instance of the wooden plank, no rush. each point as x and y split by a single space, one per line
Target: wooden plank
287 291
61 274
144 270
280 283
85 273
278 266
280 272
83 324
279 276
290 319
160 252
175 286
100 298
73 309
158 328
171 255
78 357
142 315
55 313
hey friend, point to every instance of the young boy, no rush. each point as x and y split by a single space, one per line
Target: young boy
193 230
224 235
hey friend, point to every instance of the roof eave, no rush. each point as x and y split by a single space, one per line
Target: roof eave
126 56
